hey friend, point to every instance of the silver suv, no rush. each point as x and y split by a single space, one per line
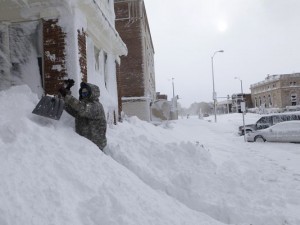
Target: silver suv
267 121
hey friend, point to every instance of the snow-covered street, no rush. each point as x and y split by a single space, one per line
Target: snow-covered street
189 171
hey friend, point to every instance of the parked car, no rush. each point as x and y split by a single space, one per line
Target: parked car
267 121
288 131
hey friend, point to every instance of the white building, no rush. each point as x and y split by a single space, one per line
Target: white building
43 42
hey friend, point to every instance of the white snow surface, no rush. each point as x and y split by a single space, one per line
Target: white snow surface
185 172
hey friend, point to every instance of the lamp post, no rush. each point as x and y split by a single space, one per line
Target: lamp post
213 79
241 85
174 113
173 87
242 110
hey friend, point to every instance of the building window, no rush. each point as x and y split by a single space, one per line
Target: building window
270 101
294 99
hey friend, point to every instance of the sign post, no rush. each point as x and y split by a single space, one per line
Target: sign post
243 110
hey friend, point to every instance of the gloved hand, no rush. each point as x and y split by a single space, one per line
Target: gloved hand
69 83
63 91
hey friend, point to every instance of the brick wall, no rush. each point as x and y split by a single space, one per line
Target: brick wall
130 74
82 54
54 56
130 71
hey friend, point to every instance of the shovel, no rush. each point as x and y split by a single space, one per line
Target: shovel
52 106
49 106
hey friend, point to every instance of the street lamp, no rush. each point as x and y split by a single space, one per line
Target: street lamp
241 85
213 79
242 110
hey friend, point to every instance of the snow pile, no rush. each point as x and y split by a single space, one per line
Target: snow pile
188 171
51 175
215 171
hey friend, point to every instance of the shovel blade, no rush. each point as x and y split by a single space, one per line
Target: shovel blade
50 107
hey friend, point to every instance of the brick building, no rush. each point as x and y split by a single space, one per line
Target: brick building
43 42
135 75
277 91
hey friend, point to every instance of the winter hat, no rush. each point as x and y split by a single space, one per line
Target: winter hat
84 91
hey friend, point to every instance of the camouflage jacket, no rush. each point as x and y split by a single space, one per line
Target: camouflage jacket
89 114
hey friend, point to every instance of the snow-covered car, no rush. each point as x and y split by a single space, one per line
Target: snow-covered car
288 131
267 121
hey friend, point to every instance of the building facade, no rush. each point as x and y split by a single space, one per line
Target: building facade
43 42
277 91
135 75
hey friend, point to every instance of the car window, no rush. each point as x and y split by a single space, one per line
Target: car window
264 122
278 119
282 118
264 119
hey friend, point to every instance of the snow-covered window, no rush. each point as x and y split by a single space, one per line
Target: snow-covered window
96 52
25 54
105 69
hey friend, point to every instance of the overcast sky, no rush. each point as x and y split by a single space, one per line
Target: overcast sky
259 37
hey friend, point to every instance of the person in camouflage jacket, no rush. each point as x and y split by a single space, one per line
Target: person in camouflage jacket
90 121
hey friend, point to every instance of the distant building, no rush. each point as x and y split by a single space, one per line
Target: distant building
277 91
135 75
238 98
161 96
224 107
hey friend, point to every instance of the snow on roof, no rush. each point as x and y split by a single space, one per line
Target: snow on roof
100 19
272 78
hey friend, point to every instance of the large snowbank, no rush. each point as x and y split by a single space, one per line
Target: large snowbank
215 172
188 171
51 175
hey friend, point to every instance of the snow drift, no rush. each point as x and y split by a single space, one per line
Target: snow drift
51 175
188 172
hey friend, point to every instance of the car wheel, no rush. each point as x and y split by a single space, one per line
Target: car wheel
259 139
